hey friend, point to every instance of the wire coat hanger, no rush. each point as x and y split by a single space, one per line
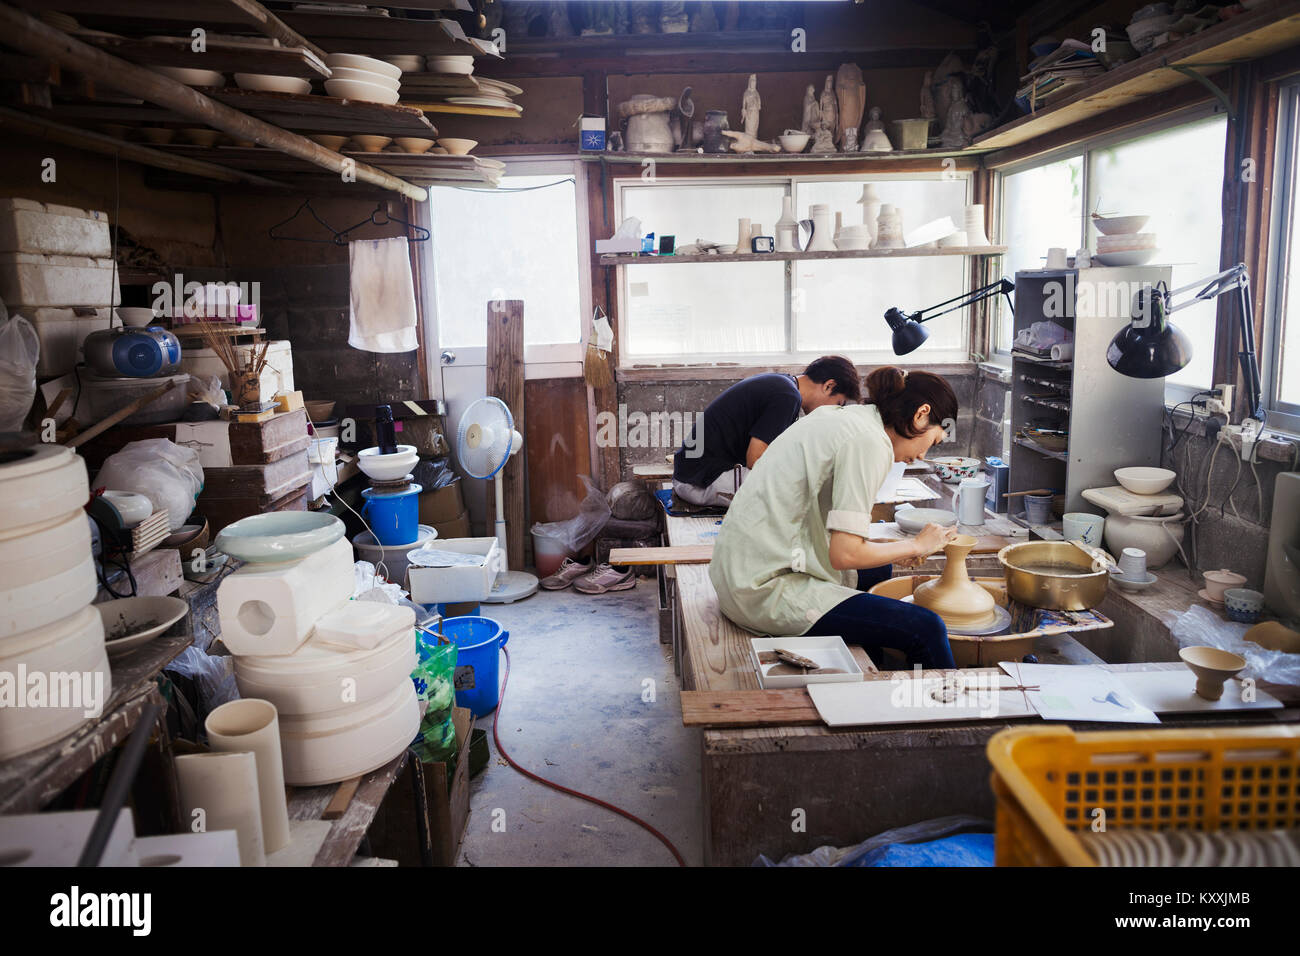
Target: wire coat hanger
377 217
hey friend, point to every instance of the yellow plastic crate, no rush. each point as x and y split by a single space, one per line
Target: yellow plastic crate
1049 781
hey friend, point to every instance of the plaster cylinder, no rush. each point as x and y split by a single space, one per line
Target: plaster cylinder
46 575
253 725
224 787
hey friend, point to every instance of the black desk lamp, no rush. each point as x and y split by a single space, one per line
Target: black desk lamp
909 334
1151 346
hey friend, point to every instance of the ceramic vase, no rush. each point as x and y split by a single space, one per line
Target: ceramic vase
218 791
253 725
1213 668
839 225
744 229
973 226
870 201
954 596
889 228
787 227
823 237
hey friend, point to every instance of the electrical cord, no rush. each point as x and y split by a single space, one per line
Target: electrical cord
496 717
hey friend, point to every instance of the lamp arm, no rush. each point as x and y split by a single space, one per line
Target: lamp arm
1000 287
1236 279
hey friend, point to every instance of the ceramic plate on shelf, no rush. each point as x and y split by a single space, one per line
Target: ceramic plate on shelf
132 622
489 85
1137 257
485 101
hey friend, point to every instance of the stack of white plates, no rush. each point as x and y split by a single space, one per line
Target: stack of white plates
362 78
460 65
1137 847
1122 243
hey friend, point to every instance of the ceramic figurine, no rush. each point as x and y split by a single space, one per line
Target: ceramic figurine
839 228
715 121
673 18
642 14
683 121
704 19
619 15
823 139
870 201
750 106
648 126
954 127
875 140
600 19
557 21
787 227
811 111
742 142
927 96
851 99
830 109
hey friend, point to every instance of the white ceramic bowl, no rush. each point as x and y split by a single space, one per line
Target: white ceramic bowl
794 142
458 65
135 317
192 77
361 91
133 507
954 469
354 61
1142 480
1138 257
847 243
365 76
407 62
1120 225
269 83
132 622
457 147
913 520
387 467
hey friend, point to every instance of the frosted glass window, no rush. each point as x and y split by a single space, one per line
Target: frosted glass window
1288 333
1176 177
1042 208
507 244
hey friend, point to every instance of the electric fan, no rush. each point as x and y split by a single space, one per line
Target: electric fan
485 440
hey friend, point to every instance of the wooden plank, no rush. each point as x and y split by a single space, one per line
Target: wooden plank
715 650
748 708
225 58
664 470
684 554
383 36
1267 29
557 447
346 833
505 380
33 36
342 798
460 109
632 259
310 110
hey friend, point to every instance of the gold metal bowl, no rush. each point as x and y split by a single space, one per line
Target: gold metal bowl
1053 575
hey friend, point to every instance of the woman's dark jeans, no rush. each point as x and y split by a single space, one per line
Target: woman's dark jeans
875 622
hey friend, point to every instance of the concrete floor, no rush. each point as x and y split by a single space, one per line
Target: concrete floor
574 713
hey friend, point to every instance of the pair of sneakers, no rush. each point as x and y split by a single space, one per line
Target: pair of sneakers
588 578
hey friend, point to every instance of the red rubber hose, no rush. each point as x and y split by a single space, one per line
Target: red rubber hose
563 789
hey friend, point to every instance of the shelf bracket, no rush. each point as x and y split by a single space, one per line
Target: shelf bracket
1209 84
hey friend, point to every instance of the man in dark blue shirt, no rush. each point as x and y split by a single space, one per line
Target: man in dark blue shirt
739 424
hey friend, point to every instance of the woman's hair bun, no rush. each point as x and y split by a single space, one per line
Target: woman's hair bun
886 382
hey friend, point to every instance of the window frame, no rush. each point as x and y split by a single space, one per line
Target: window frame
1174 392
791 356
1286 191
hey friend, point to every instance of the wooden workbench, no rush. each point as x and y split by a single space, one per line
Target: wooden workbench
844 785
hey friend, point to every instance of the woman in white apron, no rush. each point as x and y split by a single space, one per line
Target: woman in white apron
792 556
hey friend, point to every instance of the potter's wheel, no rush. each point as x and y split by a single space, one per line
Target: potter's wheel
1001 621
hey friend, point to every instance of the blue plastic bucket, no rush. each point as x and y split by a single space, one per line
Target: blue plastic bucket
478 641
394 518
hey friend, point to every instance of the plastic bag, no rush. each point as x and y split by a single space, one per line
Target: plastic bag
865 853
434 474
19 351
213 677
207 388
633 501
434 670
167 474
577 532
1200 627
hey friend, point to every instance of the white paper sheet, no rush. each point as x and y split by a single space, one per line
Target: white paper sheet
1079 692
210 439
918 700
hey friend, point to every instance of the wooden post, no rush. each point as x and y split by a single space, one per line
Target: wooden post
31 35
505 380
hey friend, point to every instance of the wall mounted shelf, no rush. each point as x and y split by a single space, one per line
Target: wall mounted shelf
974 251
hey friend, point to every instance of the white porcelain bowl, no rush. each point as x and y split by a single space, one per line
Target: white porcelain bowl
269 83
192 77
458 65
354 61
407 62
135 317
1143 480
361 91
1119 225
1138 257
387 467
794 142
133 507
365 76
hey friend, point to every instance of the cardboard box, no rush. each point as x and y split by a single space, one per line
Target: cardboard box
457 527
443 506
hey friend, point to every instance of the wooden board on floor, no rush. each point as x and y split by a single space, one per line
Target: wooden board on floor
557 447
685 554
505 380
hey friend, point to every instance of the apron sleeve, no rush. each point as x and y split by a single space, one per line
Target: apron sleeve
860 468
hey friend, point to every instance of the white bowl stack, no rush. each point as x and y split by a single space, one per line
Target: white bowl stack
1121 241
48 629
337 671
363 78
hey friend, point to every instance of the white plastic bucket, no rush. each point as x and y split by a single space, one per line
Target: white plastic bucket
548 554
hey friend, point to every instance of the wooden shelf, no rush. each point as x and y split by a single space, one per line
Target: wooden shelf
426 167
224 58
387 36
460 109
1034 446
327 114
1268 28
693 157
632 260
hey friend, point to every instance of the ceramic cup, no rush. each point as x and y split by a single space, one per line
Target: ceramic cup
1216 582
1038 508
1081 526
1056 258
1133 564
1243 604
